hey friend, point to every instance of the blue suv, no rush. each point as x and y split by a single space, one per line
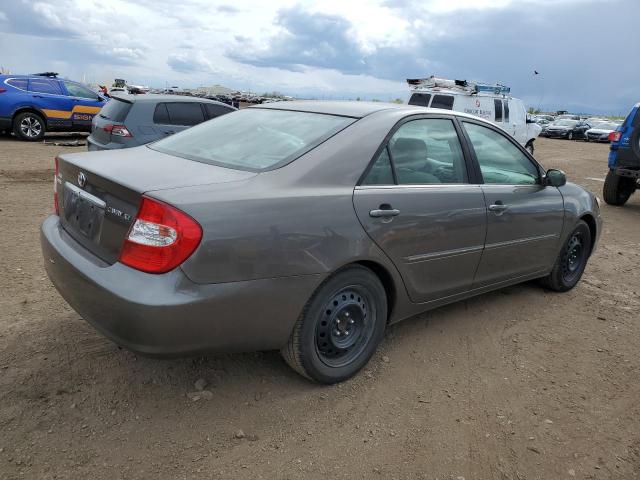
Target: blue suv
624 160
31 105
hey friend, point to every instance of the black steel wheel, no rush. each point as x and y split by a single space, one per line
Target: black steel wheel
571 261
29 126
340 327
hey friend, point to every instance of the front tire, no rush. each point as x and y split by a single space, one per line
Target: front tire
339 328
617 189
571 261
29 126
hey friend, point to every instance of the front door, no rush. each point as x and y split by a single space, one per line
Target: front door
85 105
416 203
524 218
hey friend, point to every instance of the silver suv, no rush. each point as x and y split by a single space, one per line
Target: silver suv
132 120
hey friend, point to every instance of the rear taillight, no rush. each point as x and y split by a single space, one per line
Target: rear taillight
56 181
615 136
2 90
118 130
160 239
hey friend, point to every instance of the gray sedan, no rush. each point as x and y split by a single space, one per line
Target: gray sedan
307 227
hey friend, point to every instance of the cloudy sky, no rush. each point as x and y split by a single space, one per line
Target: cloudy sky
583 49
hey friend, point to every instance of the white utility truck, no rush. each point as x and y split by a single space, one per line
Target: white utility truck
491 102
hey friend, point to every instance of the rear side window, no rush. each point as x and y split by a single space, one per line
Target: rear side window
20 83
214 110
185 113
420 99
442 101
115 110
43 85
498 106
506 110
161 115
381 172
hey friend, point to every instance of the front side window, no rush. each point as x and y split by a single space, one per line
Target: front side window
442 101
500 160
76 90
253 139
44 85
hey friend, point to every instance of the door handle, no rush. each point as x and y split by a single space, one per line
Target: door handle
498 207
169 132
384 212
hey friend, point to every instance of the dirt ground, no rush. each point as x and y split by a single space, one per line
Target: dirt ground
516 384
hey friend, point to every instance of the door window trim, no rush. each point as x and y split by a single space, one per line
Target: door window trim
471 172
499 131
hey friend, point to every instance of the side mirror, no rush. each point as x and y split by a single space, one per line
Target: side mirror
555 178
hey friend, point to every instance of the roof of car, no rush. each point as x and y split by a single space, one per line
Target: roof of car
344 108
156 97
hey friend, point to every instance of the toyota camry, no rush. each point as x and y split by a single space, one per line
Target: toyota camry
307 227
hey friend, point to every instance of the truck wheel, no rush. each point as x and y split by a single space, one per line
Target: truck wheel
529 147
617 189
29 126
571 261
339 328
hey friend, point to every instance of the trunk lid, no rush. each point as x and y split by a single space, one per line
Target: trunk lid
99 193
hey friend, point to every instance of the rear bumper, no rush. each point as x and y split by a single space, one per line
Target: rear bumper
93 145
168 315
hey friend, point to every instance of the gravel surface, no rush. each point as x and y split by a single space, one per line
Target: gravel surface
517 384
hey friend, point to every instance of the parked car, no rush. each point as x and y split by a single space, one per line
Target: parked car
307 227
623 177
568 116
599 131
569 129
31 105
491 102
132 120
544 123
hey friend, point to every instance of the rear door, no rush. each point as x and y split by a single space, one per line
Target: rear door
85 104
417 204
524 218
48 97
173 117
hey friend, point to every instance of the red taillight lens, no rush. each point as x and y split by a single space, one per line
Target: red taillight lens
160 239
56 180
615 136
118 130
2 90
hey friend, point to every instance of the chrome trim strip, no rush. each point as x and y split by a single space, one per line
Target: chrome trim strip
424 257
426 186
520 241
87 196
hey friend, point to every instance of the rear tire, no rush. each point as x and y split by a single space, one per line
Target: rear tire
617 189
29 126
340 327
571 261
570 136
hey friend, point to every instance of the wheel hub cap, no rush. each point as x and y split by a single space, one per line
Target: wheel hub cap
30 127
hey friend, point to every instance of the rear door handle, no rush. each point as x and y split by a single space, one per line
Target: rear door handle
498 207
378 213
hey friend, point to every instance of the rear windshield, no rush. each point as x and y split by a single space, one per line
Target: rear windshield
115 110
253 139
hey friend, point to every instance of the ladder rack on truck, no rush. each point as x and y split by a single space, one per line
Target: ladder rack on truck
462 86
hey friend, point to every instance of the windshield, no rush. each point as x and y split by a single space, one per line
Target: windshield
566 123
253 139
604 125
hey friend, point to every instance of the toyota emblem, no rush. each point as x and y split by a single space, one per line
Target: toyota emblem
82 179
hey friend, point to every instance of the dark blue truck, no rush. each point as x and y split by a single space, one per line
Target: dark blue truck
624 160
